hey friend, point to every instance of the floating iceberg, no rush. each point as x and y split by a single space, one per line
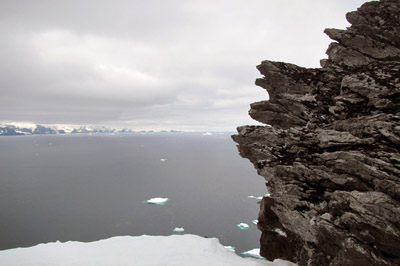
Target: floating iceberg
163 160
255 253
178 229
157 201
207 134
243 226
254 197
255 221
190 250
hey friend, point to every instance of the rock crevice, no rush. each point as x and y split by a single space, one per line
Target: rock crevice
330 149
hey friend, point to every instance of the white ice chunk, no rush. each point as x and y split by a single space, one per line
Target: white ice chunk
243 226
163 160
255 221
231 248
178 229
255 253
207 134
254 197
157 201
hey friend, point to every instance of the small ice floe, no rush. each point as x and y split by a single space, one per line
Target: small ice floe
255 253
279 231
267 195
157 201
243 226
207 134
163 160
255 221
178 229
231 248
254 197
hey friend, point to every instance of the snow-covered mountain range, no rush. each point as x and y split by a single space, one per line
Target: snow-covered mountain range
13 129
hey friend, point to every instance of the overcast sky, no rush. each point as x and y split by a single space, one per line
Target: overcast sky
152 64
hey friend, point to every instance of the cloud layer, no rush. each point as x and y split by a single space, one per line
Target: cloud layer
152 64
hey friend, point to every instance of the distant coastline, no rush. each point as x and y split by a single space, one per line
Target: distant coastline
15 129
8 129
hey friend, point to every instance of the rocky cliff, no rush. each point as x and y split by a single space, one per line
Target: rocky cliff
330 149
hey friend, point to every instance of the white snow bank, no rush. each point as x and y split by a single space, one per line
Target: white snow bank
190 250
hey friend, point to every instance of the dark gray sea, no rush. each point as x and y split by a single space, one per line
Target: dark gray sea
90 187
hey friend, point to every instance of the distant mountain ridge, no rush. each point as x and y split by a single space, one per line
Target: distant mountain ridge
9 129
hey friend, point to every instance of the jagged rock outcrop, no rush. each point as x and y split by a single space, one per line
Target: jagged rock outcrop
331 153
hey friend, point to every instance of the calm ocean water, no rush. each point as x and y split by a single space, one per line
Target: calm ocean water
86 188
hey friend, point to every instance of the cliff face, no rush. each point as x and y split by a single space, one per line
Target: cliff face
331 155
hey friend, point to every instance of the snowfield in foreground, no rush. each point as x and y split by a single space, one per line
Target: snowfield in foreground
132 250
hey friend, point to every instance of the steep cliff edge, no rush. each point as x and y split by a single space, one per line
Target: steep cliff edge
331 155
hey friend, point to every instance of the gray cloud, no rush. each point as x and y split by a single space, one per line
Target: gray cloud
152 64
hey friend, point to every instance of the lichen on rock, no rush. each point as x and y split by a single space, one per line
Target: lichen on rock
330 149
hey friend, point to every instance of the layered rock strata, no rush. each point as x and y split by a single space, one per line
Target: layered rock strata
330 149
